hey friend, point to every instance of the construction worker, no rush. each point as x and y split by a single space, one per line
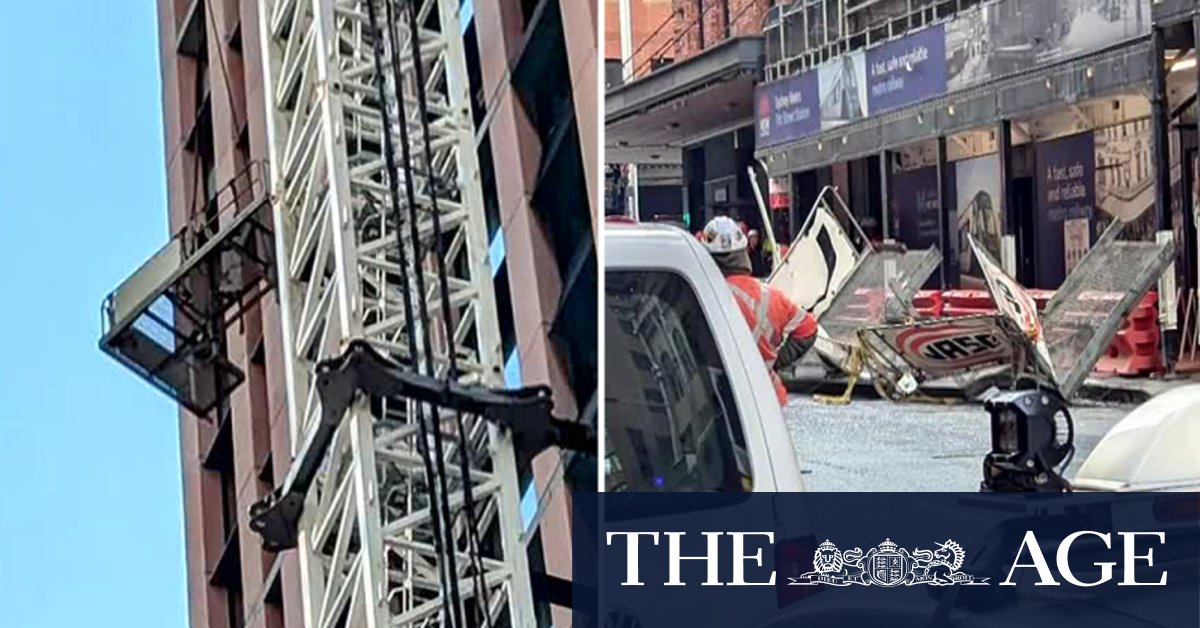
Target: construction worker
783 331
760 256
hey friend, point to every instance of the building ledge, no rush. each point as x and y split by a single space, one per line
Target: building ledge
228 572
1164 12
728 59
716 87
220 450
1122 69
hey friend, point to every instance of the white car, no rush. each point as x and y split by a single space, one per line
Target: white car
1154 448
689 404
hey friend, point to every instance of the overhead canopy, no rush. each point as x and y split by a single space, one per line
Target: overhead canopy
649 119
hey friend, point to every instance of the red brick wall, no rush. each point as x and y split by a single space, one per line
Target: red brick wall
649 40
612 29
744 17
259 423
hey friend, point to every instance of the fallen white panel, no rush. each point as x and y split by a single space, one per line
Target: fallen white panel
818 263
946 347
1015 303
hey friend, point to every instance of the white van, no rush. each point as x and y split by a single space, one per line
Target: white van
689 405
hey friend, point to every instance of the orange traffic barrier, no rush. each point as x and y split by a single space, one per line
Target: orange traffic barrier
1135 349
929 303
1041 297
967 303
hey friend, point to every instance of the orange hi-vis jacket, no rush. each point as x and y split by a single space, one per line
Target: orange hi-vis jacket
773 318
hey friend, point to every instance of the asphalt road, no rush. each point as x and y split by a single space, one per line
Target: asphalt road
874 445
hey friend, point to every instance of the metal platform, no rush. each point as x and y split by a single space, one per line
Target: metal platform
166 322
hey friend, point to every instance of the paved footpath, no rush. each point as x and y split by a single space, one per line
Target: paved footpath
872 445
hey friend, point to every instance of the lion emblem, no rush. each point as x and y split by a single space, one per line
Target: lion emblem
831 563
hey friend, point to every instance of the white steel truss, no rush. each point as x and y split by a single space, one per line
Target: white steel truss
366 552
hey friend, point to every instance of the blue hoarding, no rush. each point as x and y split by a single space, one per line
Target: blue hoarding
1066 189
981 44
788 109
907 70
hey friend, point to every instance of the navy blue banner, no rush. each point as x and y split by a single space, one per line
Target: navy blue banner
907 70
981 44
915 203
788 110
886 559
1066 189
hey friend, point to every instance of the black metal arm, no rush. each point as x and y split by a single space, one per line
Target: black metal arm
525 412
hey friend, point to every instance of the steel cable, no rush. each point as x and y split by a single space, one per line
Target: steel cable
443 503
444 288
444 571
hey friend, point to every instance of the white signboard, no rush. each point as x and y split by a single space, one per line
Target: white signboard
949 346
818 263
1014 302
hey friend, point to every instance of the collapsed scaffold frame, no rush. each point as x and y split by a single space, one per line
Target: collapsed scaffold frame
366 558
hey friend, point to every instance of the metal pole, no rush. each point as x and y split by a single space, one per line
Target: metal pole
626 27
1012 222
1160 125
765 212
1160 122
885 191
634 202
1193 242
945 206
630 199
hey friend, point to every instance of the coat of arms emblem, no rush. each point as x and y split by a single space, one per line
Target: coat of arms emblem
888 565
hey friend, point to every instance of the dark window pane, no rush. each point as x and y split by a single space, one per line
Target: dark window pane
672 423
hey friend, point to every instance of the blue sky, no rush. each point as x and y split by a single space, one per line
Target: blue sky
91 526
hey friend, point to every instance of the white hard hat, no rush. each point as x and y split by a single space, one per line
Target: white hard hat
723 235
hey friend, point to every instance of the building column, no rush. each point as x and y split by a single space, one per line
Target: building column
1012 222
885 191
583 56
1161 128
1160 121
946 205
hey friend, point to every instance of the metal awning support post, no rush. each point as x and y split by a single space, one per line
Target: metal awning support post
885 191
946 207
1012 222
1160 120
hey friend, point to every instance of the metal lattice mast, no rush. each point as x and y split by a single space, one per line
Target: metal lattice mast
365 548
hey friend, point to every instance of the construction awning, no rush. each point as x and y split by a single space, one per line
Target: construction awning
649 119
1124 68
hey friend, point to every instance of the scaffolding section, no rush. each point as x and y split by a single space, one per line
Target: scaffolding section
802 34
349 257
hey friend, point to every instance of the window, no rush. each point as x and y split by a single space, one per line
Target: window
660 440
614 73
